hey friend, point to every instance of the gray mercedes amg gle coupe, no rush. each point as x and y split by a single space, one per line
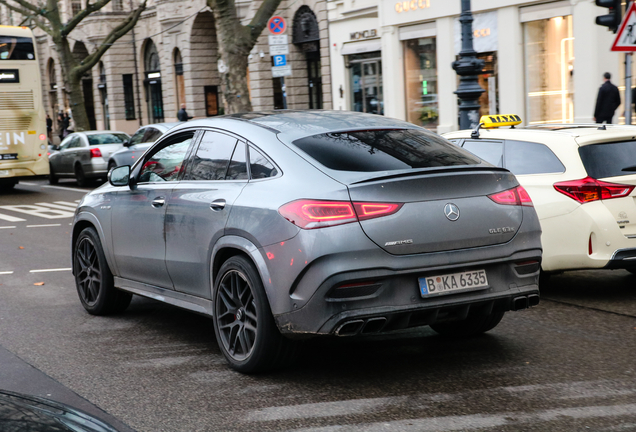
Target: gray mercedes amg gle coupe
286 224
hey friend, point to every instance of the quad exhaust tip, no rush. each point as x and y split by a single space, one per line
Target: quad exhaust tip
354 327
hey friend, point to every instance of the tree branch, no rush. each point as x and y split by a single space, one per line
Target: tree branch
263 14
29 6
90 8
26 13
119 31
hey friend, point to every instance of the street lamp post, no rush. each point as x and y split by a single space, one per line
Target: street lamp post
468 67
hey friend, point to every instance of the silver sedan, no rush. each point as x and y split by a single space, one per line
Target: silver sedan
284 225
84 155
141 141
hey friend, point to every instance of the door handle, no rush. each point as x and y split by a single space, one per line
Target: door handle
217 205
158 202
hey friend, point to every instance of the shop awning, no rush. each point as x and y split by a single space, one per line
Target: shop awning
370 45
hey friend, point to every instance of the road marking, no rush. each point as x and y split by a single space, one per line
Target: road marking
7 227
66 203
56 206
11 218
33 210
44 225
6 272
481 421
49 270
67 188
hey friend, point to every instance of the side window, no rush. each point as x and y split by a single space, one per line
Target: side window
151 135
212 158
138 137
67 142
238 165
166 162
490 151
531 158
260 166
75 142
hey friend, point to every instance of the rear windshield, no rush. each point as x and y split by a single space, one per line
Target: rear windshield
16 48
610 159
384 150
107 138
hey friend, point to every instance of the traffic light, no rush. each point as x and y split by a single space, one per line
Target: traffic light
613 19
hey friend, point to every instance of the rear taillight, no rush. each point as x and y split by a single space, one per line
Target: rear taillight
95 153
516 196
589 189
310 214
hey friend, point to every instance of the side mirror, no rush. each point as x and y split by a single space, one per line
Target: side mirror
119 176
126 143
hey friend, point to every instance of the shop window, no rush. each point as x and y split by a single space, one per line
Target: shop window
211 100
366 82
179 79
549 51
420 66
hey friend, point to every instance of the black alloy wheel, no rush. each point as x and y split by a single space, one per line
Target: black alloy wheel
93 278
243 323
80 177
237 315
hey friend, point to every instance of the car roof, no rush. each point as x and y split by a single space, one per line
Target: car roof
162 126
294 124
100 132
582 134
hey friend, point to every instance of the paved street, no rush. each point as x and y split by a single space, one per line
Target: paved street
565 365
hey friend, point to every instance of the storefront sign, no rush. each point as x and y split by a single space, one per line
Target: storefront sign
367 34
484 33
407 6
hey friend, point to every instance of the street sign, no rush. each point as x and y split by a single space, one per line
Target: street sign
626 36
281 71
279 60
277 25
278 50
277 39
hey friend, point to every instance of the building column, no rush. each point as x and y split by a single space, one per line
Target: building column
511 73
393 73
446 76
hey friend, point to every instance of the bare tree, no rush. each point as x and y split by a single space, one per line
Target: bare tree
235 43
46 15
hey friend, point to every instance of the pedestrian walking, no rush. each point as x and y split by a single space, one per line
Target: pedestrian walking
60 126
65 123
49 128
182 115
607 101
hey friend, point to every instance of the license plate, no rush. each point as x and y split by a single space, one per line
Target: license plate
449 283
8 156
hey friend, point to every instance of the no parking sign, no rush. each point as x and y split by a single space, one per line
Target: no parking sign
277 25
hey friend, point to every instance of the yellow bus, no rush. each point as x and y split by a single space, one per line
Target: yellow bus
23 138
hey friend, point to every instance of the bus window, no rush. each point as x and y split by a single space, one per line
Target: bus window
16 48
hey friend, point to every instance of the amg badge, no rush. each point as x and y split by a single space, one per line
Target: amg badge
501 230
399 242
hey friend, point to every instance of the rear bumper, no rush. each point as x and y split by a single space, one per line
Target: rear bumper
97 167
623 259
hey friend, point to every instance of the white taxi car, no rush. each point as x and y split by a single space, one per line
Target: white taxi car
581 179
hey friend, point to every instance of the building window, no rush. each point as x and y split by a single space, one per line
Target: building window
179 79
420 66
76 7
549 50
366 82
129 100
118 5
152 83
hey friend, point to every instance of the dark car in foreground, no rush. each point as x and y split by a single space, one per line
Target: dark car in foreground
287 224
23 413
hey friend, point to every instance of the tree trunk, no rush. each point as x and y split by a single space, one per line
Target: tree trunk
73 86
234 83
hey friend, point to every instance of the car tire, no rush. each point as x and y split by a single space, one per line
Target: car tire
474 325
53 179
111 166
80 177
544 279
7 186
93 278
243 323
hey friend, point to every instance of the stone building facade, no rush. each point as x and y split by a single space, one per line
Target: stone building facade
173 60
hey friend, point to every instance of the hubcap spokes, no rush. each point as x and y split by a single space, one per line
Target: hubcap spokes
88 273
236 315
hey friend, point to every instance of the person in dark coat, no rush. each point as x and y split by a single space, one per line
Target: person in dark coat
607 101
182 115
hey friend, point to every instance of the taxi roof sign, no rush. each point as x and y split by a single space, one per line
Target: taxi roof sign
498 120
